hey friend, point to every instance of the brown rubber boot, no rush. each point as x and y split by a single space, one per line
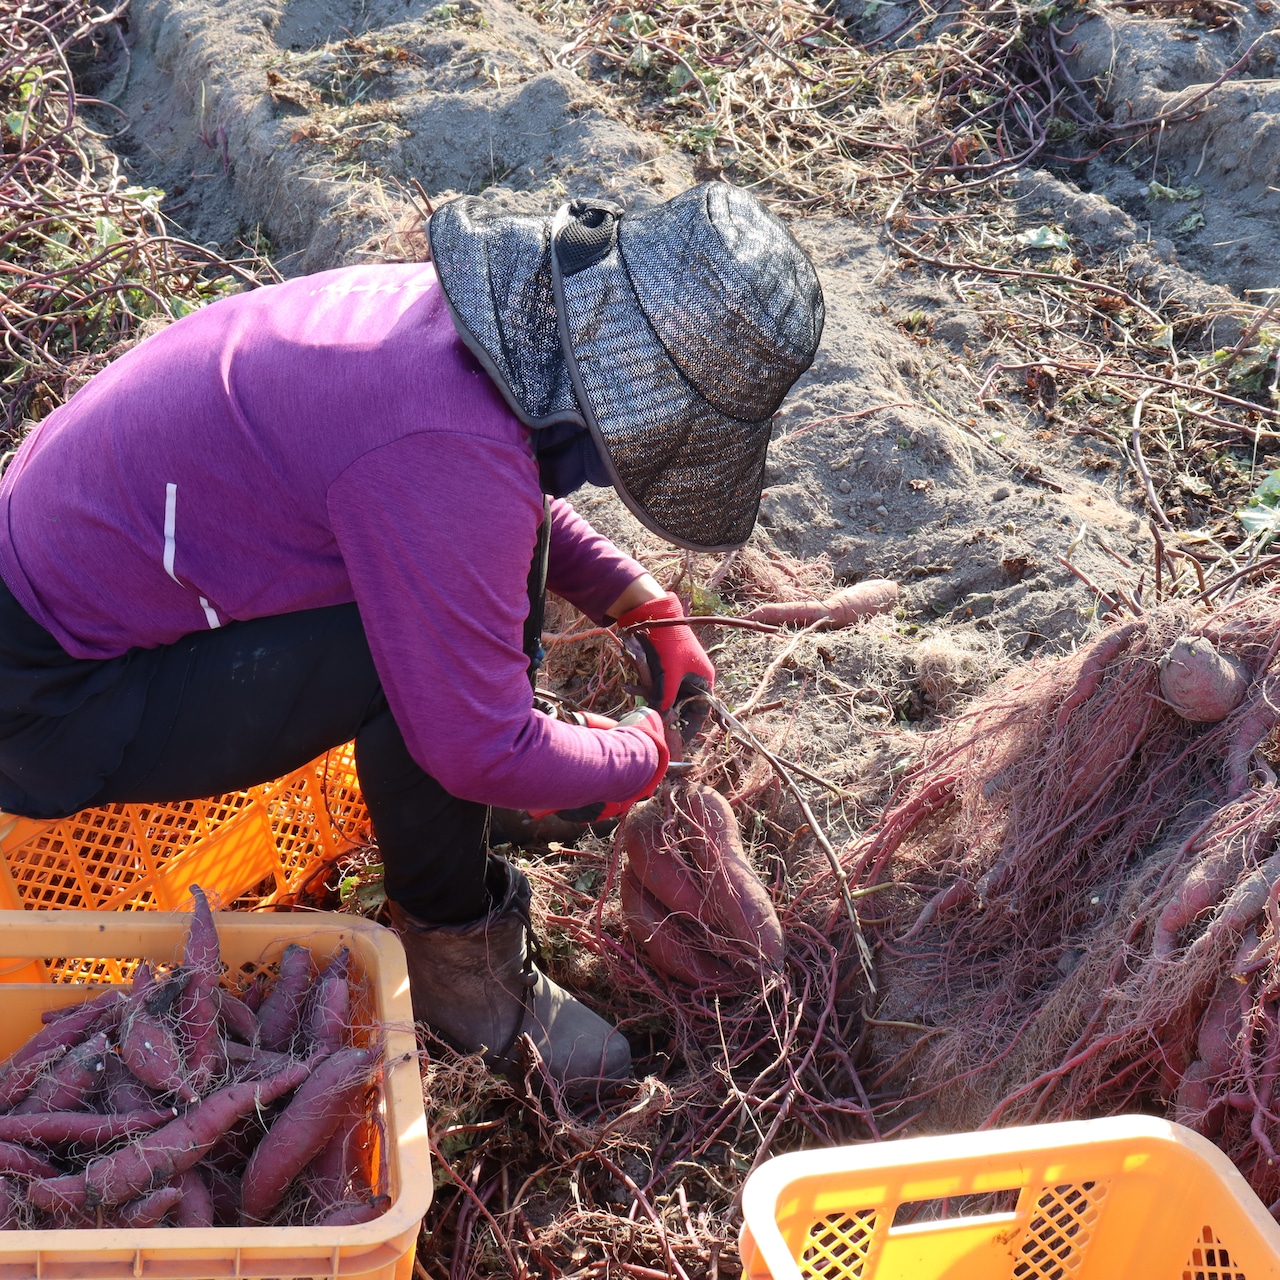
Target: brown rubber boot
476 985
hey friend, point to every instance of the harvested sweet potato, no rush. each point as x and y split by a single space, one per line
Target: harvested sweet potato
281 1010
669 942
329 1007
70 1085
738 901
694 904
351 1215
195 1205
665 875
843 609
81 1129
197 1011
1200 683
236 1016
149 1048
303 1128
167 1152
149 1210
15 1158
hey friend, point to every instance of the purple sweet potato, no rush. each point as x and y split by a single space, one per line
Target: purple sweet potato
328 1010
282 1009
64 1197
237 1018
247 1063
71 1030
197 1009
336 1172
671 946
351 1215
303 1128
202 955
162 1155
122 1090
847 606
1200 683
150 1050
72 1083
149 1210
195 1208
22 1160
52 1041
739 903
80 1128
255 993
10 1204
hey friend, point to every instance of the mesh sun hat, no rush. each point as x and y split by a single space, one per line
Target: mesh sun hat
672 334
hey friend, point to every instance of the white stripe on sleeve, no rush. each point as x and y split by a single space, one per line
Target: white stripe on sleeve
170 528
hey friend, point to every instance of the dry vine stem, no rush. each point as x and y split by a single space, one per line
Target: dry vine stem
85 258
734 725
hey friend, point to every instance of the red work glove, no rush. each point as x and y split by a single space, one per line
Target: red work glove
680 672
649 722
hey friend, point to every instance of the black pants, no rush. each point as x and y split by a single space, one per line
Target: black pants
230 708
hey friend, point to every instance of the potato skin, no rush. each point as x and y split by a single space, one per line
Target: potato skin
669 944
846 607
302 1129
738 901
1199 683
691 898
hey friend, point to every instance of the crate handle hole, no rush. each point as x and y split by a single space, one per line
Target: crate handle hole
981 1204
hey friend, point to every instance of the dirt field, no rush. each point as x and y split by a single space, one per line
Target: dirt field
973 426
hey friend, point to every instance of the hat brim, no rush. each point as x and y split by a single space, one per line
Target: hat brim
495 273
688 472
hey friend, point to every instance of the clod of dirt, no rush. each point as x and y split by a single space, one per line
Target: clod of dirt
1200 683
948 673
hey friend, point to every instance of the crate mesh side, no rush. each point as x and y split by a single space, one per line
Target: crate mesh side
836 1247
111 858
1059 1231
1211 1260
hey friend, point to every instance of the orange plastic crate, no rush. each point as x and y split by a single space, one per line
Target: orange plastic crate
398 1147
1125 1198
144 857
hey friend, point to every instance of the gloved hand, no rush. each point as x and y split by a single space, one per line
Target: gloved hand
650 723
680 672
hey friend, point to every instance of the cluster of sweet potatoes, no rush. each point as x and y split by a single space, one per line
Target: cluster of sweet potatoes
178 1103
690 897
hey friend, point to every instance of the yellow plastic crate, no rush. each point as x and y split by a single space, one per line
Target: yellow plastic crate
1127 1198
144 857
378 1250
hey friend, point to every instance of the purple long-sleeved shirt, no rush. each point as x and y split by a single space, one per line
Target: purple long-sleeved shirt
312 443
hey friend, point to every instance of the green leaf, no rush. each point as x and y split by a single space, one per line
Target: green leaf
1044 238
1192 222
1261 516
1158 191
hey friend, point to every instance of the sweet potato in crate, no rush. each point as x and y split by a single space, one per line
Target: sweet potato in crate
143 857
396 1149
